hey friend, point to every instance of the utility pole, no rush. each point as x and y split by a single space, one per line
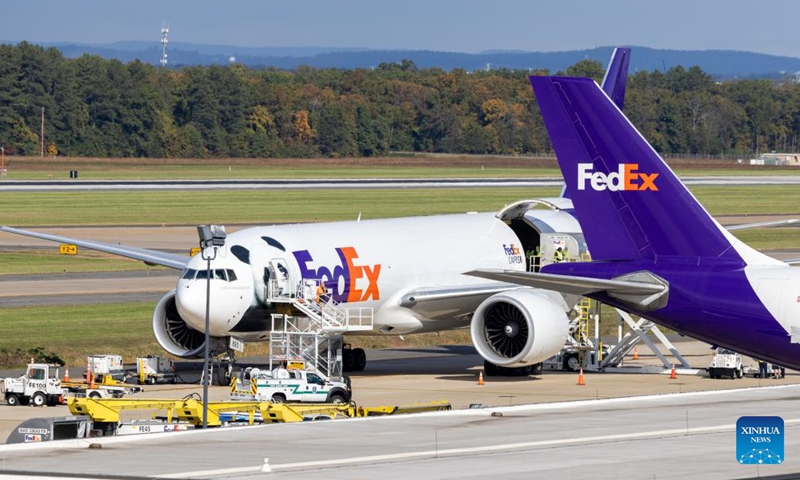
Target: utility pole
41 152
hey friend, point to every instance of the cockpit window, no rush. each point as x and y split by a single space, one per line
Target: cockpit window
225 274
189 274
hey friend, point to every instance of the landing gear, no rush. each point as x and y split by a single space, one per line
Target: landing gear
492 370
353 359
224 369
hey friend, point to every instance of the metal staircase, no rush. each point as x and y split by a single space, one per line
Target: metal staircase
639 331
315 336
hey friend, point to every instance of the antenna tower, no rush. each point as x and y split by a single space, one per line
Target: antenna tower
164 42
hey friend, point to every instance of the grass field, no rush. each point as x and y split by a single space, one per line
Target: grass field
271 206
410 166
49 261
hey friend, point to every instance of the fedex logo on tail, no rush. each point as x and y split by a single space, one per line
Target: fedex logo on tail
627 178
348 281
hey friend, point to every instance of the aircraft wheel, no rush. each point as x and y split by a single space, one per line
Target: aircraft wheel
359 359
348 360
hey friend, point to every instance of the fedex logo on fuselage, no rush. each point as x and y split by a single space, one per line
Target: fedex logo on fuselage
626 179
348 281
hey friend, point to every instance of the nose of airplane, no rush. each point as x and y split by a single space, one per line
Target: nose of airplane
228 302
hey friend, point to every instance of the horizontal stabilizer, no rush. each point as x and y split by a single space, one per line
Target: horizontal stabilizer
152 257
642 289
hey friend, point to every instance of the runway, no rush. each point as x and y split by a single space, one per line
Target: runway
350 183
688 435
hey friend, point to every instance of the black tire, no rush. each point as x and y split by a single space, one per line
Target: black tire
94 395
223 377
278 398
348 360
572 363
359 359
537 369
39 399
12 400
739 373
151 380
24 401
490 369
337 398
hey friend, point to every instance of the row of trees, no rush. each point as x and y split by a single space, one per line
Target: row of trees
98 107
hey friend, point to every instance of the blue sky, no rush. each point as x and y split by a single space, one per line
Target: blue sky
450 25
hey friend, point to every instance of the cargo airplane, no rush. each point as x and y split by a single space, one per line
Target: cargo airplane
656 252
408 271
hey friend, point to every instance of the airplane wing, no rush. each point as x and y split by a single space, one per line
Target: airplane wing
569 283
422 295
774 223
451 302
151 257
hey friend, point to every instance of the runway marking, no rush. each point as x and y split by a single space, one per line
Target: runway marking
677 432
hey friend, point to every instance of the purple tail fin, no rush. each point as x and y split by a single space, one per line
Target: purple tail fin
614 83
616 78
629 203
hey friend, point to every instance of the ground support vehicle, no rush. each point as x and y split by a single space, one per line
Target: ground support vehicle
110 365
281 385
40 386
153 369
726 363
80 389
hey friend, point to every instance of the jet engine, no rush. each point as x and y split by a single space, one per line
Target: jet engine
520 327
178 338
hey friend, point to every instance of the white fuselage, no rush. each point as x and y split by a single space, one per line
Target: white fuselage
371 263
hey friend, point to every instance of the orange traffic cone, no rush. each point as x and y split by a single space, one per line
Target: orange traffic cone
66 374
580 378
635 354
480 378
673 375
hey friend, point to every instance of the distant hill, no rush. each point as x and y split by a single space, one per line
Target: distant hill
722 64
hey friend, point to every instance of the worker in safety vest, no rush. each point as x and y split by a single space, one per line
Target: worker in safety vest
558 257
322 292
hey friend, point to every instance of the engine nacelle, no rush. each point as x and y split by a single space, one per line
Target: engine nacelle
520 327
176 337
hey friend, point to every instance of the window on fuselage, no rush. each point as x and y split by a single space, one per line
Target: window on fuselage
219 274
202 274
231 275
